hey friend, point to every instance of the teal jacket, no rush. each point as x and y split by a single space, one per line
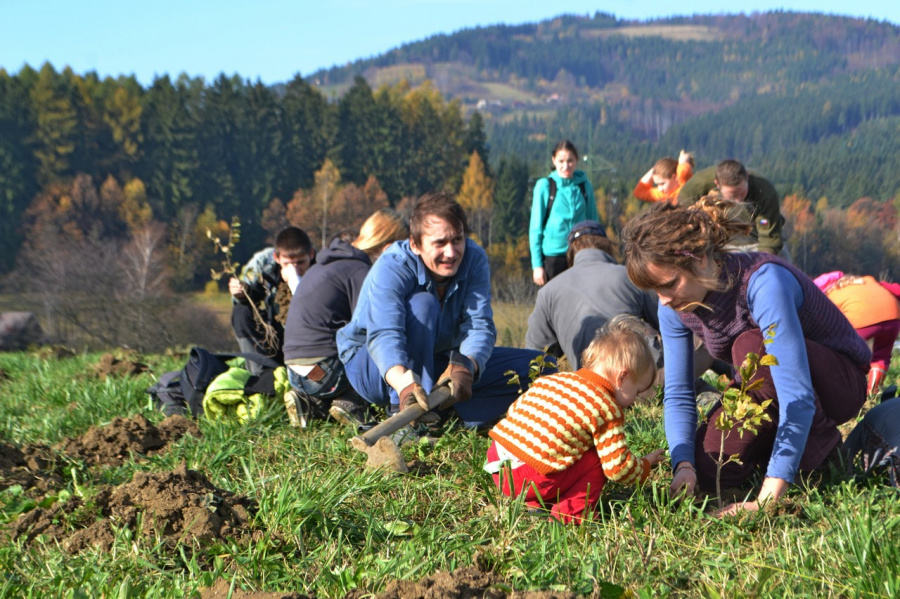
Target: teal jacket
569 208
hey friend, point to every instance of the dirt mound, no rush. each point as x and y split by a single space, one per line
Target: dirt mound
179 507
110 445
221 589
32 467
110 365
176 426
466 583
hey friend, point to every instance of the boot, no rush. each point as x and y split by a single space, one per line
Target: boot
875 379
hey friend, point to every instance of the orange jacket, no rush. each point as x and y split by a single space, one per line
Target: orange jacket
563 416
866 303
648 193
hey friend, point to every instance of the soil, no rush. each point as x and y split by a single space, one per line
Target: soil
466 583
110 365
221 589
34 467
178 507
112 444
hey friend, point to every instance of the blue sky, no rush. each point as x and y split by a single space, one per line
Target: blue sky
272 40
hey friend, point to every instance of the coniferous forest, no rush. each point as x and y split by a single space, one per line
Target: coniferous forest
101 166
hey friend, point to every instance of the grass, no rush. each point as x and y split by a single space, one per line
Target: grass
327 525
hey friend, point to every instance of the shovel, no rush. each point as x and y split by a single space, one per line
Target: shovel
377 444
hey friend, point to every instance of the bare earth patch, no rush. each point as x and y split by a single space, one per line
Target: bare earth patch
178 507
33 467
109 365
112 444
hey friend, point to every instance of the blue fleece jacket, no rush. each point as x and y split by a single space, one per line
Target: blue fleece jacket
379 321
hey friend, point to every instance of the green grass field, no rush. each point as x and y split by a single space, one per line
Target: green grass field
326 524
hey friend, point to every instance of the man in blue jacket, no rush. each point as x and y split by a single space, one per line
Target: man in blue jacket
424 316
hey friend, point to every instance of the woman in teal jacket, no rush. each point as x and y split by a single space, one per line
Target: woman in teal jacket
550 224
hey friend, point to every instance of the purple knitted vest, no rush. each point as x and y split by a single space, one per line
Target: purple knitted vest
820 319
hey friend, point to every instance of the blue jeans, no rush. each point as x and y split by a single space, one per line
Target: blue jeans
492 393
332 385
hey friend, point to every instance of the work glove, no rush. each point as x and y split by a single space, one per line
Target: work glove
458 376
413 394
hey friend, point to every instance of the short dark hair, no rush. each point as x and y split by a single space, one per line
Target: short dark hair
438 204
731 172
564 145
292 242
595 242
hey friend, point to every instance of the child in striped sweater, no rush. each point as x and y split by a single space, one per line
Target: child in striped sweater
564 437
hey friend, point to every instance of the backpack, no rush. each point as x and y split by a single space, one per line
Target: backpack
176 392
552 197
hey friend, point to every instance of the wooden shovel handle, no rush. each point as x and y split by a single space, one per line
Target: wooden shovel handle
437 396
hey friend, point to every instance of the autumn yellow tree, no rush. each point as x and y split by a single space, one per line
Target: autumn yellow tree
311 210
135 210
477 197
354 204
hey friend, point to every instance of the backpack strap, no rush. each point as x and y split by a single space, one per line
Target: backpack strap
550 200
582 186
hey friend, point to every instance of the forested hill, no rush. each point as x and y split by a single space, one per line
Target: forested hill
90 166
810 100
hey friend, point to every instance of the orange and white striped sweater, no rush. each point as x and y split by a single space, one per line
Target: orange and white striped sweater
564 415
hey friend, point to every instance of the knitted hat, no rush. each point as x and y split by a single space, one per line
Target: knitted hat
586 227
826 280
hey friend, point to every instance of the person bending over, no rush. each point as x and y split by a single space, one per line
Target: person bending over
565 437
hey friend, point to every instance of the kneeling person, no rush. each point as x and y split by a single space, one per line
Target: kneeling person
565 436
270 273
424 315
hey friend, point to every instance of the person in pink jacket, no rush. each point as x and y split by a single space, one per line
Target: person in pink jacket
873 310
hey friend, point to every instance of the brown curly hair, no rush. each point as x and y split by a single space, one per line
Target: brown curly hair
679 236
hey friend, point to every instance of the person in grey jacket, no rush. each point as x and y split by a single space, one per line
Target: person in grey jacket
580 300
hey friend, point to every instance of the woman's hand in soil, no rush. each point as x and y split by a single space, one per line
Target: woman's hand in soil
684 482
771 491
736 508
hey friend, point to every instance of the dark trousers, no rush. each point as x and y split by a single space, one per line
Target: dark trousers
553 265
840 390
247 329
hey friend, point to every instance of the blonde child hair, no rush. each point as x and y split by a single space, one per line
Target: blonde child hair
380 229
621 345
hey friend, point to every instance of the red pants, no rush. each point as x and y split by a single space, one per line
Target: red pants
883 336
572 493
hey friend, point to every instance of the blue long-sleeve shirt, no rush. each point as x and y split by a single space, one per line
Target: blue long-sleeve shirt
466 322
774 296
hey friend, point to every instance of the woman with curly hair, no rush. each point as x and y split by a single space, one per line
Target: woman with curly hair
730 299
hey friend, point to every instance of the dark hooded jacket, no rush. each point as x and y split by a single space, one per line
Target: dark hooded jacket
324 302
